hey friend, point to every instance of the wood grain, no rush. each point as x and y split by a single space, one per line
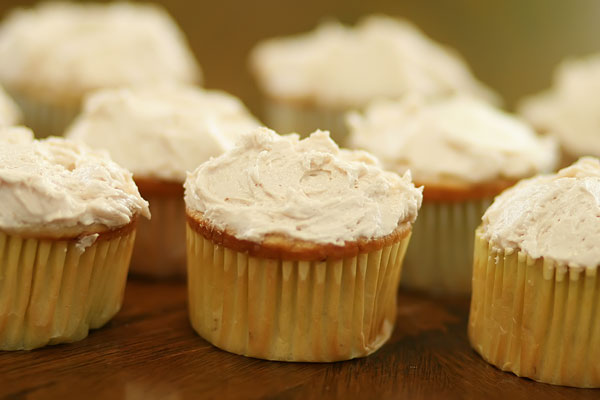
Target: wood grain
149 351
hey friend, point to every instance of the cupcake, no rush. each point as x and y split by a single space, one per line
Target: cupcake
535 309
159 133
67 226
312 79
295 248
569 111
464 152
55 53
9 112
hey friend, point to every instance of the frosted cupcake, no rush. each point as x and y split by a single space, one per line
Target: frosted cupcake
67 226
536 287
569 110
464 152
55 53
9 112
295 248
311 80
159 133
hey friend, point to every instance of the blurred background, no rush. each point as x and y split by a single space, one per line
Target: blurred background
512 45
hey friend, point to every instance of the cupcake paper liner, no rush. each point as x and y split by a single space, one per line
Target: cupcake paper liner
537 318
287 118
53 291
440 257
43 118
293 310
159 250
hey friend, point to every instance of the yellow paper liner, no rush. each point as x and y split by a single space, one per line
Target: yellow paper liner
159 250
293 310
536 318
289 118
51 291
440 257
43 118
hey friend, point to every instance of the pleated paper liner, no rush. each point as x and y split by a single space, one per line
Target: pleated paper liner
537 318
159 250
45 118
440 257
285 117
53 291
318 311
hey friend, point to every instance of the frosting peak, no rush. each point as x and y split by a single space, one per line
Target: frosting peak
341 66
161 131
556 216
56 185
306 189
69 49
458 139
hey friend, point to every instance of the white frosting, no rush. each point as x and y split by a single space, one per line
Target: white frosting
339 66
306 189
70 49
9 113
86 241
55 184
162 131
570 110
454 139
555 216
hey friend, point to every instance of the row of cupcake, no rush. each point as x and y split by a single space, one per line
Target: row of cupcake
294 253
328 72
462 150
309 81
294 248
274 225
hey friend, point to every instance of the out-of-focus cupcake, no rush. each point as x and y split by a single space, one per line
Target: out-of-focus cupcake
464 152
55 53
569 110
535 309
67 227
309 81
9 112
159 133
295 248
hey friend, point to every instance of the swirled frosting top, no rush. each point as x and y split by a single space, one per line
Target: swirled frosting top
453 140
64 50
57 185
555 216
569 110
306 189
161 131
341 67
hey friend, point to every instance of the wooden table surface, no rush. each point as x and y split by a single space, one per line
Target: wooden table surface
149 351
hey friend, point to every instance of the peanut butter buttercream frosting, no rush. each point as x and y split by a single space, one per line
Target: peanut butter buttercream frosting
339 66
9 113
162 131
68 49
306 189
54 186
457 139
569 110
556 216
